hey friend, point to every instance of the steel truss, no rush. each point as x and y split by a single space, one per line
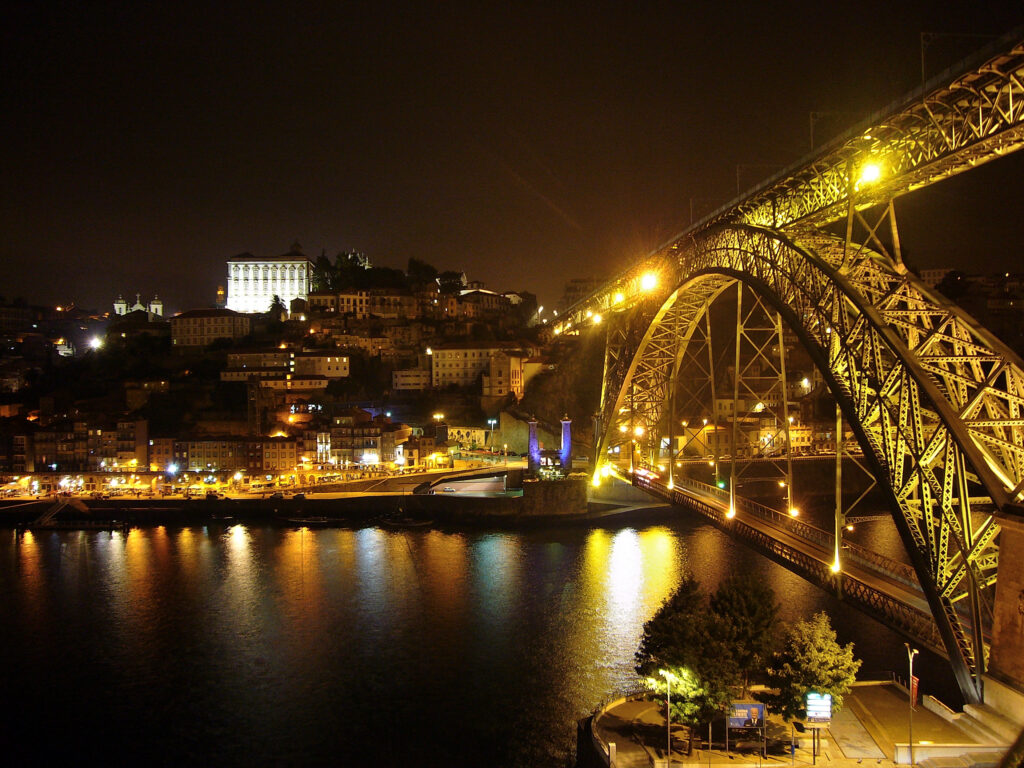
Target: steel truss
932 134
935 401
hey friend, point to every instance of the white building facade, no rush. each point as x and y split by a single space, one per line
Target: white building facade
253 282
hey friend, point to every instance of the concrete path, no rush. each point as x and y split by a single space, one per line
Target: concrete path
874 719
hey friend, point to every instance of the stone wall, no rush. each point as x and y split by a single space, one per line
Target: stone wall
1006 662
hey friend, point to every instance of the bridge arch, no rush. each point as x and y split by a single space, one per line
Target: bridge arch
932 398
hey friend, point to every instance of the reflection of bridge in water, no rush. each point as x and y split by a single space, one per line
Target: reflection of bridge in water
806 270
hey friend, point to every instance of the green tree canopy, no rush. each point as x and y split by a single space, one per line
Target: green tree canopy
685 635
810 660
690 700
747 621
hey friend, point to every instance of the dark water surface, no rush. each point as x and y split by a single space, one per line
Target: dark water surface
267 646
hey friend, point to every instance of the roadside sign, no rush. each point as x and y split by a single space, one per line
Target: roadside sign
913 691
819 707
746 714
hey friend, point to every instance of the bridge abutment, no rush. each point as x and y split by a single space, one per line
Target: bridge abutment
1004 683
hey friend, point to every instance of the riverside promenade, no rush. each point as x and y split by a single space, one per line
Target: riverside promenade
870 730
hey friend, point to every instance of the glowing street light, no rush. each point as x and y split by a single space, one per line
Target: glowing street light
911 653
648 282
870 172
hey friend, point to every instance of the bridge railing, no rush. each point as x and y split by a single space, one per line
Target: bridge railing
894 569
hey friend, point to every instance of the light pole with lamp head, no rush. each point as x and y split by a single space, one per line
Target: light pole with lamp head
911 653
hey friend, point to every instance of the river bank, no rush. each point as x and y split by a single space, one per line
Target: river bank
540 504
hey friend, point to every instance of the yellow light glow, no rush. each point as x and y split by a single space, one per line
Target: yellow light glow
835 566
649 281
597 319
590 313
794 512
670 484
870 172
731 513
638 431
618 298
596 480
622 427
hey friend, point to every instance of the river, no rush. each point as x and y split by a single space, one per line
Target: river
271 646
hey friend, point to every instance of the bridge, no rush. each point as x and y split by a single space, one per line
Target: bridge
806 270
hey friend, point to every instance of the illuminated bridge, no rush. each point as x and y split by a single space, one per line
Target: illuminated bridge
805 270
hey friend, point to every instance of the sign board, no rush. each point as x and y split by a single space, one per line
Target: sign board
913 691
746 714
819 707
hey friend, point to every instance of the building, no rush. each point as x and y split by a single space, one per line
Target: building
154 309
461 363
330 365
280 454
133 443
161 454
411 379
504 375
225 454
254 282
354 303
201 327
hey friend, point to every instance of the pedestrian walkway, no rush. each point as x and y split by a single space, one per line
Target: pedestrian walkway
865 733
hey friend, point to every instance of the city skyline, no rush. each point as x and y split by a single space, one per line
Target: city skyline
149 146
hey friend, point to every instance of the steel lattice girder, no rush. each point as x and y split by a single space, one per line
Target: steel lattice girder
936 400
976 117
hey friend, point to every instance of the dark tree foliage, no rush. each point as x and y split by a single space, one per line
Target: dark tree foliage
420 272
747 621
451 282
684 635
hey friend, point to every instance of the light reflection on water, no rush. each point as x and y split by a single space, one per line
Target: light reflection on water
304 646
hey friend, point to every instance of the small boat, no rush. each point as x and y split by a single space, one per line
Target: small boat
402 521
309 522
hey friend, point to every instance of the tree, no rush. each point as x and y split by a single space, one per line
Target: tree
420 272
747 622
323 273
689 699
278 311
811 660
683 635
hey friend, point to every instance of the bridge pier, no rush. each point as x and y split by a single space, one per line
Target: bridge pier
1004 683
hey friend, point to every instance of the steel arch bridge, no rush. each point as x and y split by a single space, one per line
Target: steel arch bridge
936 402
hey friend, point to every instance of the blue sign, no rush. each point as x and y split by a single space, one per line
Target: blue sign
746 714
819 707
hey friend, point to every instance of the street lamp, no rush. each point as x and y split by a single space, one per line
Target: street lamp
911 653
669 678
492 422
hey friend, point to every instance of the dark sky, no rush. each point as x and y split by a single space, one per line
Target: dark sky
143 144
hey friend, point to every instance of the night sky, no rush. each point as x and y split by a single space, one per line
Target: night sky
144 144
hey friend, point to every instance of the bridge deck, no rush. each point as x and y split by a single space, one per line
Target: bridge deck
880 588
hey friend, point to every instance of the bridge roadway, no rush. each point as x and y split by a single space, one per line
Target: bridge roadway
886 589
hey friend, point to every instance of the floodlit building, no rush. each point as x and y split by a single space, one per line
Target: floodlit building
254 282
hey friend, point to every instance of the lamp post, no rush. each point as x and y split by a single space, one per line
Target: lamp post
911 653
492 422
669 677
